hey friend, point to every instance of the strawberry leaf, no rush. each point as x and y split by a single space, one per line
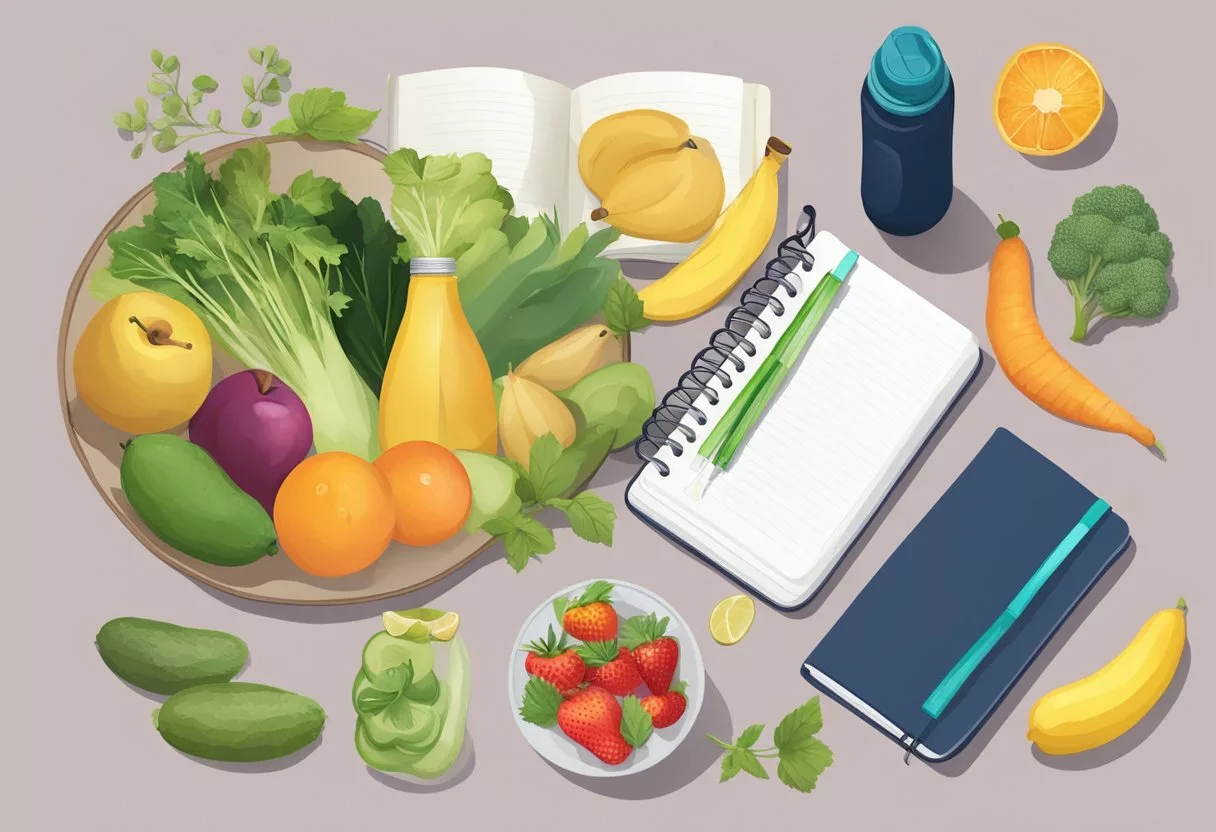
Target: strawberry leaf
749 737
731 765
636 724
799 726
541 701
598 653
559 608
596 592
681 686
750 764
800 769
641 629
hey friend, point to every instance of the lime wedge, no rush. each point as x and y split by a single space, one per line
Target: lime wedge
731 619
421 624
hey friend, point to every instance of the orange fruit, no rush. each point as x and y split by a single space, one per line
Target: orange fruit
431 492
1048 100
334 514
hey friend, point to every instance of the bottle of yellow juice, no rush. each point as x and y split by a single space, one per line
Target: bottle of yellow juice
437 386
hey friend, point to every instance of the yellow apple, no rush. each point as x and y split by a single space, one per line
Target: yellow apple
143 363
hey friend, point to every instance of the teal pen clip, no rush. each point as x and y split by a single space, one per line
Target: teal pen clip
961 672
745 411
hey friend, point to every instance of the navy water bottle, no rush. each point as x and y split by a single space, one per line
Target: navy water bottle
907 134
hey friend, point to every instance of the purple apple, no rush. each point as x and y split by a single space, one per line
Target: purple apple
257 429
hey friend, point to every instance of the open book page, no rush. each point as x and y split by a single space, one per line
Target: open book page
519 120
716 107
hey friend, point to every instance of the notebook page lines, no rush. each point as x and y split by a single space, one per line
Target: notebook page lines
520 121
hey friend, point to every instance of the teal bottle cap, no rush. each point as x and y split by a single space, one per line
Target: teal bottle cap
908 75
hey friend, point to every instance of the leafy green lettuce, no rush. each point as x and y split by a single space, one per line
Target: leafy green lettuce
259 269
522 285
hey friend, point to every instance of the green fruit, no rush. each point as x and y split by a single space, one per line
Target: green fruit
188 501
619 396
165 658
239 722
392 663
493 485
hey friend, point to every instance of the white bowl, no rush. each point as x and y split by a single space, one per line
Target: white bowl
558 749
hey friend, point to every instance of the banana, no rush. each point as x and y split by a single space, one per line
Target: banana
564 362
1097 709
616 140
673 195
735 242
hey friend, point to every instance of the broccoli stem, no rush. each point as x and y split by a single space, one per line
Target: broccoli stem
1083 308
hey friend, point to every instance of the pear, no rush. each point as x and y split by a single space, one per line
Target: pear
527 412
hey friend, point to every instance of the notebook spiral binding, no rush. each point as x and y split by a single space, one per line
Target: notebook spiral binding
666 421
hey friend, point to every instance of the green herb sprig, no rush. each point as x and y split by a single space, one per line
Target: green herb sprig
551 475
801 757
320 113
624 311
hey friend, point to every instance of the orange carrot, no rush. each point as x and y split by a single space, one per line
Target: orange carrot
1029 359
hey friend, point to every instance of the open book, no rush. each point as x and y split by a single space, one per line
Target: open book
530 128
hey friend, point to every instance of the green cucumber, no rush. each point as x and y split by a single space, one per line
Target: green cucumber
239 722
164 658
425 690
385 657
407 724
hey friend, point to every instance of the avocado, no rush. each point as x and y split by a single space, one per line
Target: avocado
187 500
165 658
238 722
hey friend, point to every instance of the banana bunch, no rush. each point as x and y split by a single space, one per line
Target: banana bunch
736 242
653 178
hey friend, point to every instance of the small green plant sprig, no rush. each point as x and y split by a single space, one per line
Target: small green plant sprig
321 113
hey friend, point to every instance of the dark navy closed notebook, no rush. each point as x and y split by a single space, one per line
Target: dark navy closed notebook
948 581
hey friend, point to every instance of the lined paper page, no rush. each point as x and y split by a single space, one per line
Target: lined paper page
877 369
712 105
519 120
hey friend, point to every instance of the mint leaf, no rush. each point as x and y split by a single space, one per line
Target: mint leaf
636 724
592 518
731 765
550 472
623 309
323 114
750 735
589 450
799 726
541 701
749 763
523 537
800 769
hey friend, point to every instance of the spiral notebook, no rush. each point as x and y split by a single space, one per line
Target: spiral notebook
877 378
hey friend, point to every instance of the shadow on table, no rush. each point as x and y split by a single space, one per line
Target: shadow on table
688 762
958 765
962 241
460 771
1120 746
981 377
1095 146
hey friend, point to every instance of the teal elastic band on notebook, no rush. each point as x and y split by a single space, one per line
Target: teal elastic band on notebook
962 670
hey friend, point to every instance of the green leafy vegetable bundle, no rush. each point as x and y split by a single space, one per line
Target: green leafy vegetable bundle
265 272
522 285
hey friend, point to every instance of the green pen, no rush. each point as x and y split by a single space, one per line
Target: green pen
720 447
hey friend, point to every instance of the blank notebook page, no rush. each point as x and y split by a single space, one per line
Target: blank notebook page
876 378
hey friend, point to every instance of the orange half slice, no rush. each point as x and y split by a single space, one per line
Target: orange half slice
1048 100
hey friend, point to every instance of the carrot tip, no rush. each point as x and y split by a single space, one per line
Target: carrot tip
1160 449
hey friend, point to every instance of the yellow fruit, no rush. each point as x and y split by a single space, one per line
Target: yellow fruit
528 411
1097 709
619 139
731 619
1048 99
568 359
724 256
143 363
672 195
422 623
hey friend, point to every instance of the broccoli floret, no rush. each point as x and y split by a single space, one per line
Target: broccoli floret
1111 254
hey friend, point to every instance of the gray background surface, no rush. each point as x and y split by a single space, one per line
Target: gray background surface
78 749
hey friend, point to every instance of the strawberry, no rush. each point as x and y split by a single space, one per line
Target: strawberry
555 661
655 654
667 708
592 718
590 617
610 667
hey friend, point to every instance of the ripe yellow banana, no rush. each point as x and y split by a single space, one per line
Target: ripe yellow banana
616 140
672 195
567 360
724 256
1097 709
